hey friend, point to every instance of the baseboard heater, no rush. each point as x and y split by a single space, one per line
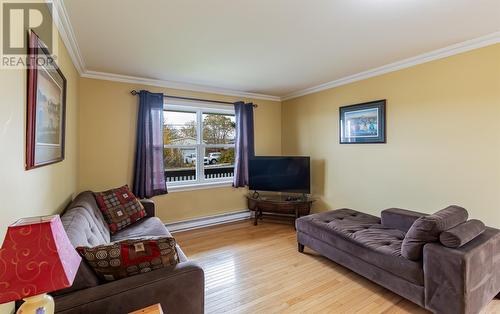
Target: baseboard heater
208 221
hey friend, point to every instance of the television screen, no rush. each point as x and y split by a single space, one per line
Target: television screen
280 174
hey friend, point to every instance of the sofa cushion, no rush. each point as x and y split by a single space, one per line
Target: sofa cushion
130 257
85 226
462 234
428 228
119 207
82 229
362 236
147 227
84 223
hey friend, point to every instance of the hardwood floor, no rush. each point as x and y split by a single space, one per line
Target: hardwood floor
257 269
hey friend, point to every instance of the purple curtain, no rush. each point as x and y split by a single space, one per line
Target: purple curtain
244 148
149 172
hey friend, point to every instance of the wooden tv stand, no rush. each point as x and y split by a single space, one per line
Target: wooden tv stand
278 205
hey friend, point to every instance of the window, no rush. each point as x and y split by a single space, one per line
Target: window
192 130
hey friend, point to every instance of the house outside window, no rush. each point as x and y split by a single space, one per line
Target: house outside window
193 129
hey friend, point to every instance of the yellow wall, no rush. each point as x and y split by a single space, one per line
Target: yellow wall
44 190
107 115
443 139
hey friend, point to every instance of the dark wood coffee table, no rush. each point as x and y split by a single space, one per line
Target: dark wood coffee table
278 205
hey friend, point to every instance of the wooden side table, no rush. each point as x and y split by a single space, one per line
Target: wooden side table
153 309
278 205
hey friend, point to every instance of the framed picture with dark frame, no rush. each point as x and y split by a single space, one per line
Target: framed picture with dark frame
363 123
46 107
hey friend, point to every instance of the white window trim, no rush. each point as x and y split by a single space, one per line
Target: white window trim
199 108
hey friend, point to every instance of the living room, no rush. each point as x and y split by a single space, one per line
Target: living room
356 122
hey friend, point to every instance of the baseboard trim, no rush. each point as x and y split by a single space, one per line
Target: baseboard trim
208 221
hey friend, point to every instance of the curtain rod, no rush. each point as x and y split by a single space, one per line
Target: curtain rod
134 92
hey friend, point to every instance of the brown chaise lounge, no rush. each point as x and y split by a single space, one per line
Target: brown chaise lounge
458 279
179 289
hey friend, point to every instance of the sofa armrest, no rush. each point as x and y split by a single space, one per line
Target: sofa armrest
398 218
179 289
149 207
465 279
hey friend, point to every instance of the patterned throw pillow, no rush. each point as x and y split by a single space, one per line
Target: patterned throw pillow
120 208
130 257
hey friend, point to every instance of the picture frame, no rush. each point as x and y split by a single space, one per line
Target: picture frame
46 107
363 123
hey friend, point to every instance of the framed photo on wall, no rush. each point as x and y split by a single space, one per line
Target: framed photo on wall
363 123
46 107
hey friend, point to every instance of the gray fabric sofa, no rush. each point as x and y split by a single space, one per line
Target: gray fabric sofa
445 280
179 289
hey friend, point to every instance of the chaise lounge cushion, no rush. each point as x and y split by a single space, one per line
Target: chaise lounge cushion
363 236
462 234
398 218
428 228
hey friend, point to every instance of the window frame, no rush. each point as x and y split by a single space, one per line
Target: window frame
199 108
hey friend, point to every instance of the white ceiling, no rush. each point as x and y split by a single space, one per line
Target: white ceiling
272 47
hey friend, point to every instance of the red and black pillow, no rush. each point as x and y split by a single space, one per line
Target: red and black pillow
130 257
119 207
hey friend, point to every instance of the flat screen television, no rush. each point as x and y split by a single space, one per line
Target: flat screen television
280 174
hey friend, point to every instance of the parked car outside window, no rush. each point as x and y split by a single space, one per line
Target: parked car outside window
213 158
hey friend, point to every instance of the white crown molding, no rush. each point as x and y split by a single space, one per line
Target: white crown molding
468 45
175 85
61 19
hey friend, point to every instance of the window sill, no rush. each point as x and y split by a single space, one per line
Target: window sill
198 186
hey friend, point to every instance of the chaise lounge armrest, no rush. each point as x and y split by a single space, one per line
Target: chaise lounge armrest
397 218
149 207
179 289
467 275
